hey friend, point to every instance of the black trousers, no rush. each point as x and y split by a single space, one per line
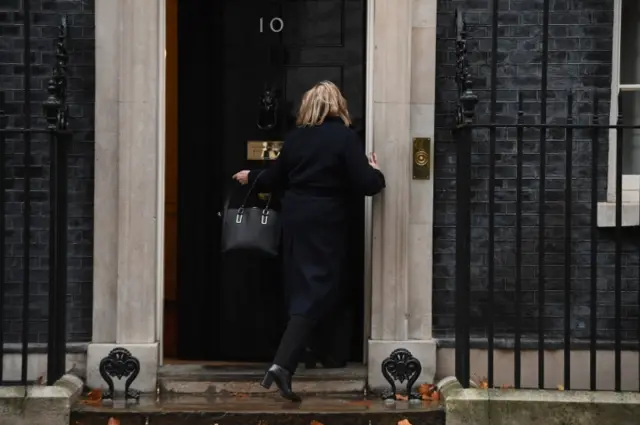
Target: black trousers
294 340
332 338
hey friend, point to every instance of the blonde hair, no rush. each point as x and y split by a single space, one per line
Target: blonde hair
322 100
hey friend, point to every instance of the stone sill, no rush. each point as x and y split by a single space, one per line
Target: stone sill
39 404
532 407
607 214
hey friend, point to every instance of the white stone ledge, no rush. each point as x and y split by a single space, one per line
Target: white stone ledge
531 407
607 214
37 365
39 405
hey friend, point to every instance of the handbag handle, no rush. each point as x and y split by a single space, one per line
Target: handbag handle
265 211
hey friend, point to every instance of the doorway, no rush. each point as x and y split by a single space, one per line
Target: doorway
227 56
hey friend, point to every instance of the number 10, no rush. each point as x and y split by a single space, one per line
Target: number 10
275 25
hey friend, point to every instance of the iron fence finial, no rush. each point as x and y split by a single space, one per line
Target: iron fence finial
55 106
467 99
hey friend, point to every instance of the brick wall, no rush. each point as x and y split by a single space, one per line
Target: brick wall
580 56
45 18
579 60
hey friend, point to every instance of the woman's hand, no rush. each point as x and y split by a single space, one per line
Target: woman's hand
242 177
373 161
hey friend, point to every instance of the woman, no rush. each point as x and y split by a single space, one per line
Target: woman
320 168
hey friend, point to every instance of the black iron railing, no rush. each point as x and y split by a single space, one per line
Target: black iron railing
559 171
56 113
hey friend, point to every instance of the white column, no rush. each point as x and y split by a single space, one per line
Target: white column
138 162
402 216
423 96
137 159
105 224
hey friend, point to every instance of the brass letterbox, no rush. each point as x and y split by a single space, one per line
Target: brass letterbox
263 150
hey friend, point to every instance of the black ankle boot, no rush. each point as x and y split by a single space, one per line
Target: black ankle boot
312 358
331 363
282 378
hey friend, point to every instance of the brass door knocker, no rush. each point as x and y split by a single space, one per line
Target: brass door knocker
268 110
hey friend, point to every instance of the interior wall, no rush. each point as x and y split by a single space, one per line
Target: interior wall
171 182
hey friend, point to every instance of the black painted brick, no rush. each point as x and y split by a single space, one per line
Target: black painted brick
580 55
580 47
45 18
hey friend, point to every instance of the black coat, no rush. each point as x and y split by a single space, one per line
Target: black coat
320 171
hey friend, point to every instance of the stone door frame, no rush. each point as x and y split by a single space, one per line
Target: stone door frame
130 179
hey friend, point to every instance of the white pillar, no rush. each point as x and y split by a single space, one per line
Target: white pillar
403 80
105 222
138 180
423 97
138 30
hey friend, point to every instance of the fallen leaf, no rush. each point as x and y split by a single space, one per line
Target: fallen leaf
404 422
484 383
40 380
429 392
364 403
94 395
505 387
434 396
426 388
113 421
560 387
94 398
401 397
241 395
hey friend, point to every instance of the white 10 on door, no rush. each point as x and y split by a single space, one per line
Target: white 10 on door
275 25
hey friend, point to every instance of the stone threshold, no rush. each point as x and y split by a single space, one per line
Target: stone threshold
246 378
273 410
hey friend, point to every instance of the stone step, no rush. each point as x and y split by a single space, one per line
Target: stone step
245 379
259 410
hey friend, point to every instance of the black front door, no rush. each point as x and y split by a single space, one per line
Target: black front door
232 54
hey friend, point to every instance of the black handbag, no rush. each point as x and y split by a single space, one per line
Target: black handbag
251 229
